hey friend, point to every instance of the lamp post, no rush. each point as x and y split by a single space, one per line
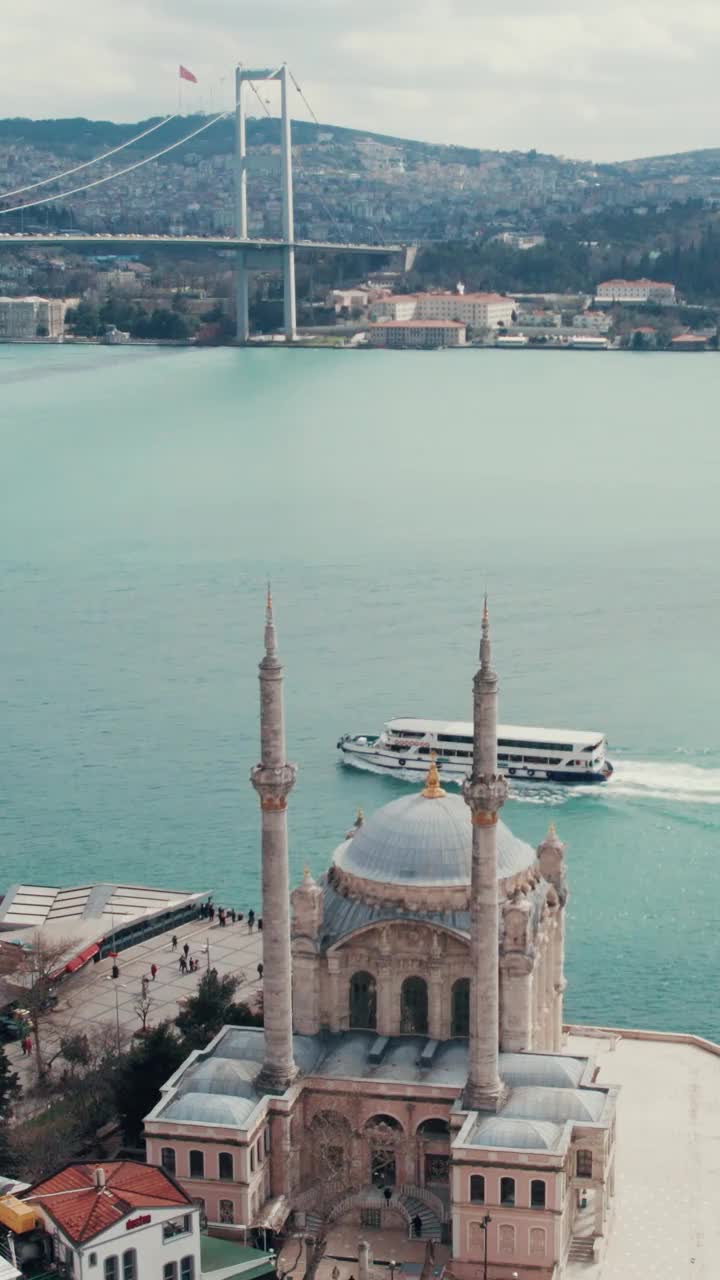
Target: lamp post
393 1265
485 1224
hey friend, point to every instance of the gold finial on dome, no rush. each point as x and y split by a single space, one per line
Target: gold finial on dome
432 789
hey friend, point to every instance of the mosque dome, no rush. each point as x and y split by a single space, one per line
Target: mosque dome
425 840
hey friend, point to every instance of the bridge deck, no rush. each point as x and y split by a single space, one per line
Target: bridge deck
9 238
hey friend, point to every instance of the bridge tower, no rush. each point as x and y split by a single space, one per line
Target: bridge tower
242 75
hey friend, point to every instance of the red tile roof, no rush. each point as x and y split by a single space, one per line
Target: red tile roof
82 1210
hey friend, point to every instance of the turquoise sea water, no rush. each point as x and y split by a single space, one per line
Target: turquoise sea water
145 495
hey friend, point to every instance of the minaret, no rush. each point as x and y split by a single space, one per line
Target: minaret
485 792
273 779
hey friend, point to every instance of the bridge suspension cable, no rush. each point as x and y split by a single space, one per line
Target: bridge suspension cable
56 177
62 195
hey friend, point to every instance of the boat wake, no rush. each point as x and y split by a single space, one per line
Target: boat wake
658 779
634 779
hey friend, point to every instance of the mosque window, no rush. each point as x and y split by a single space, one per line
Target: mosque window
414 1007
225 1165
506 1238
460 1025
584 1164
507 1191
167 1159
537 1194
197 1164
363 1001
477 1188
537 1241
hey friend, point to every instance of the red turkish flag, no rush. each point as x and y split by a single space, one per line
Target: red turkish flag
187 75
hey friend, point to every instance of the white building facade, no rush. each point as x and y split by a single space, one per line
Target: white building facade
480 310
637 291
31 317
417 333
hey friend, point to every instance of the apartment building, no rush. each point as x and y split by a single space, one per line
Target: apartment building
417 333
637 291
31 317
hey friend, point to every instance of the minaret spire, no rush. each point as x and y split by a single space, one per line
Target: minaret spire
484 792
273 779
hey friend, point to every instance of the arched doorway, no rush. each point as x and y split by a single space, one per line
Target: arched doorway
414 1007
385 1138
460 1020
363 1001
434 1153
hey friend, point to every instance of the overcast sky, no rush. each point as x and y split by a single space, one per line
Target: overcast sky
602 79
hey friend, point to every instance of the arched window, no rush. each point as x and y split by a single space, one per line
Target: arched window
252 1159
537 1194
129 1267
584 1164
197 1164
380 1121
507 1191
111 1268
167 1159
225 1166
414 1007
227 1211
384 1133
477 1188
506 1239
434 1128
460 1023
363 1001
537 1241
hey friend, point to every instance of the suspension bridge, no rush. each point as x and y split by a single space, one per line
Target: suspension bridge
250 253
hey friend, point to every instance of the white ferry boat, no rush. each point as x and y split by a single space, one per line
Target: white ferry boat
525 754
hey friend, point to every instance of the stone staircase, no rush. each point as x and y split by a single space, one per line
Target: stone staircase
374 1199
581 1249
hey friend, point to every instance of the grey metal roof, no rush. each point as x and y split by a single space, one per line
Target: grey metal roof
342 916
530 1135
211 1108
416 840
549 1070
221 1075
558 1105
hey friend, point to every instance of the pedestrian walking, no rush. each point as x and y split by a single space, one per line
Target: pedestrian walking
174 942
145 983
212 913
23 1045
153 971
182 964
114 972
240 917
233 915
27 1042
417 1225
261 970
259 924
186 949
251 920
387 1192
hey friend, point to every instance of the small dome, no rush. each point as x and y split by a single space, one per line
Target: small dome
423 840
557 1105
223 1076
518 1135
211 1108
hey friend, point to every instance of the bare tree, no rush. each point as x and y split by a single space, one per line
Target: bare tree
143 1004
43 959
340 1170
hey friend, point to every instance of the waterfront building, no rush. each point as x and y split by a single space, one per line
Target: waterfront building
417 333
637 291
31 317
417 1072
481 310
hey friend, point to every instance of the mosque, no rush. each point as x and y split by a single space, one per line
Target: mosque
410 1071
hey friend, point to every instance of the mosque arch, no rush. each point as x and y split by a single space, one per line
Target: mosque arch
460 1012
362 1001
382 1121
433 1128
414 1007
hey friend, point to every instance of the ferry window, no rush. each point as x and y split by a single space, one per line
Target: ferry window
477 1188
537 1194
507 1191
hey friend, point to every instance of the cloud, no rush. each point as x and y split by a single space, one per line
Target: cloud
607 81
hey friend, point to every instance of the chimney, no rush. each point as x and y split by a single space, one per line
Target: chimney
99 1178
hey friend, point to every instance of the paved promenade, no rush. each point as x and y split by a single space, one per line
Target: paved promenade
91 997
666 1223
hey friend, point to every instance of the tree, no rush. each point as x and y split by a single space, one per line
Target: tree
142 1005
83 320
42 961
212 1008
9 1087
142 1072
